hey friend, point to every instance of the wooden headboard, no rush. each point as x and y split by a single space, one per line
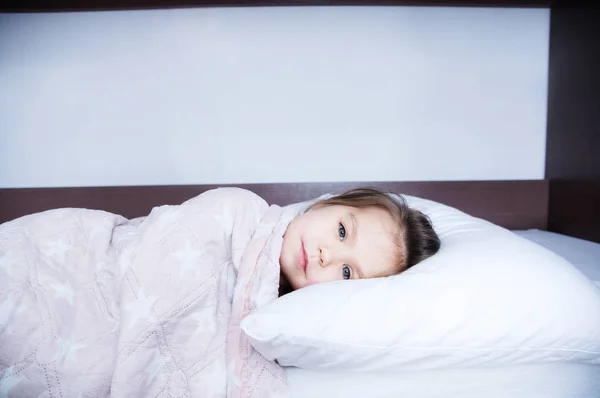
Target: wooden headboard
511 204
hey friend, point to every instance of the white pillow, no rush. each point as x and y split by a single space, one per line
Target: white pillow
488 297
300 207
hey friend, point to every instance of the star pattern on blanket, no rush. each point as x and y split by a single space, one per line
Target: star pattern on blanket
189 258
8 381
70 348
205 319
64 291
100 265
6 311
9 330
7 261
153 369
56 249
141 308
215 378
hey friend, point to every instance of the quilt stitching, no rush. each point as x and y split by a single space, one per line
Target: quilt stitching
91 304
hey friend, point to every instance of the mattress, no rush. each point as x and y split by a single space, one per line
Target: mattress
524 381
583 254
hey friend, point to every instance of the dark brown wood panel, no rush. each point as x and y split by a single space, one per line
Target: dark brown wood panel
573 138
512 204
91 5
573 133
575 208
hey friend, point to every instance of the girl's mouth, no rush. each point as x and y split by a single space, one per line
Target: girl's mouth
302 257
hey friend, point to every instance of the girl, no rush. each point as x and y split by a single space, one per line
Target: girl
363 233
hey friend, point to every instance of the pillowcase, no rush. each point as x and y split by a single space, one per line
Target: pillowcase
488 297
300 207
583 254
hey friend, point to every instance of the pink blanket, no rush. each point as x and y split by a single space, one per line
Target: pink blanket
95 305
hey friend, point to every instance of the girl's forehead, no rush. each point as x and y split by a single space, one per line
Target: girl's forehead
374 219
377 255
377 242
370 213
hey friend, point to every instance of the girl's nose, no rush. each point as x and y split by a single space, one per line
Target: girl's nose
324 257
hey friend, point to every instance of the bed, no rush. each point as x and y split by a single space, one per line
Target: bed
519 206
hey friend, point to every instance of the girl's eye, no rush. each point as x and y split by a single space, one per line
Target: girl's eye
341 232
346 272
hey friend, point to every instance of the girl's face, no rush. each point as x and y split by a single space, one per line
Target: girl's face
338 242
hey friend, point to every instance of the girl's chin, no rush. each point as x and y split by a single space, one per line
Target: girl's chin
298 284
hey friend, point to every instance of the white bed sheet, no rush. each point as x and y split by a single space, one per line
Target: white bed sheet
523 381
583 254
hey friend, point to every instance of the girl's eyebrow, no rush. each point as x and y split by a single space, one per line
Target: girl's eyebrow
354 238
354 226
